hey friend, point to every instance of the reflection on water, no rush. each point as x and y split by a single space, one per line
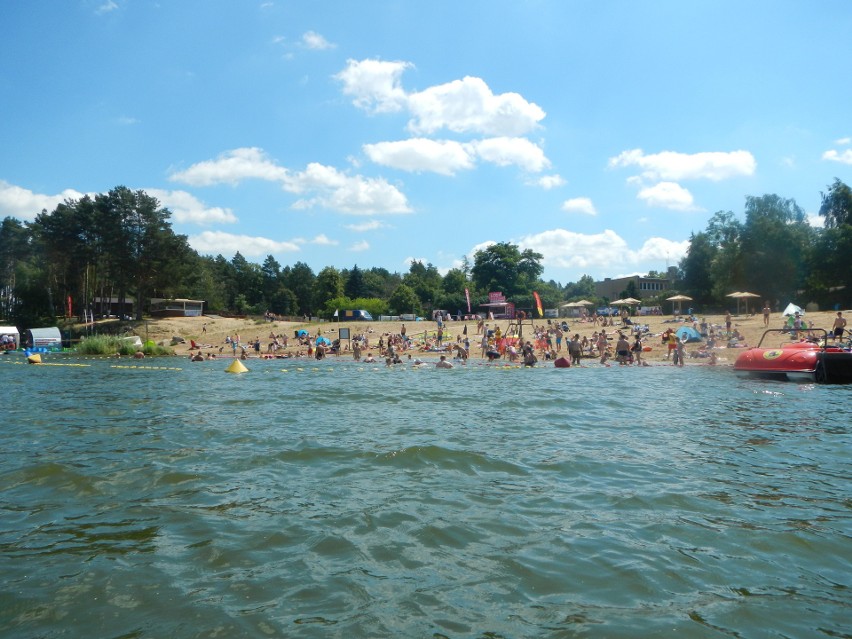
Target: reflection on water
342 499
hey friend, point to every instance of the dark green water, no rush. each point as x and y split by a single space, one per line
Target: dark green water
345 500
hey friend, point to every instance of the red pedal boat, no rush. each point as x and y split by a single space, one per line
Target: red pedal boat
810 360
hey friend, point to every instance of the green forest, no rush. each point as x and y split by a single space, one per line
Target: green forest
121 245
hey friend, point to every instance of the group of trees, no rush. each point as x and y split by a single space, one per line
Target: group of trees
121 245
774 252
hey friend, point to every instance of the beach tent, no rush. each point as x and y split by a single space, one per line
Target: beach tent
323 340
46 338
792 309
10 332
688 334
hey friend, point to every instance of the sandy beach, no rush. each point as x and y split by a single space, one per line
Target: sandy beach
211 340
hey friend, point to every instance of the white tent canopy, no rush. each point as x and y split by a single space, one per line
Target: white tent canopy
12 332
792 309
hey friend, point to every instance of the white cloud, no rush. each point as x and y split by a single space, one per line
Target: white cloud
313 40
548 182
370 225
216 242
421 154
673 166
815 220
340 192
231 168
462 106
565 249
468 105
579 205
504 151
446 157
843 141
330 188
189 209
106 7
659 248
363 245
321 240
844 158
669 195
374 84
24 205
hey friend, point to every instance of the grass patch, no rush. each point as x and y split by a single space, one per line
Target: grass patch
111 345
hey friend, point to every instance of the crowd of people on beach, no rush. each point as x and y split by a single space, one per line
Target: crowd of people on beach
519 342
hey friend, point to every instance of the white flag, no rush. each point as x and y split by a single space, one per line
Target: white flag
335 312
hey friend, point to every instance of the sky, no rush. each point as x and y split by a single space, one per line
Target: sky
599 134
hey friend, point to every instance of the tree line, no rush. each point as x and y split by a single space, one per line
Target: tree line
121 245
774 252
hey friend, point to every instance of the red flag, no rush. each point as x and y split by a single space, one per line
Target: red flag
467 295
538 304
69 307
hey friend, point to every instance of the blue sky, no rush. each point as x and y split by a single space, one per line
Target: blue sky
600 134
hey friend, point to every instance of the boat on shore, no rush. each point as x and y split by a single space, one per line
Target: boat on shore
808 360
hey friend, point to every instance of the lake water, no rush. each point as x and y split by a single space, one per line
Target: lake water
336 499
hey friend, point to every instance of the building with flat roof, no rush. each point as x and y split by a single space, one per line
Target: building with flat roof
644 287
176 307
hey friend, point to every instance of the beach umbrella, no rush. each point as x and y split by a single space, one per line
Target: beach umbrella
745 295
739 295
736 295
679 299
632 301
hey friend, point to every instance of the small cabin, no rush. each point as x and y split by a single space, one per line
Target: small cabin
45 339
176 307
10 338
110 307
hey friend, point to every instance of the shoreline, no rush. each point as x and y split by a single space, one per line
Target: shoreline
212 340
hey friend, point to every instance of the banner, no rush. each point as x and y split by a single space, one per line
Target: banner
467 296
68 314
538 304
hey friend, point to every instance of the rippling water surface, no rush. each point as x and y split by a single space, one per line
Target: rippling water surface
335 499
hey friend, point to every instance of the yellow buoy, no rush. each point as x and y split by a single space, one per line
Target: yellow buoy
35 358
236 367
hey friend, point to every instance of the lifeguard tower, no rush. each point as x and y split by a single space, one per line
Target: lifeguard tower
516 325
499 308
